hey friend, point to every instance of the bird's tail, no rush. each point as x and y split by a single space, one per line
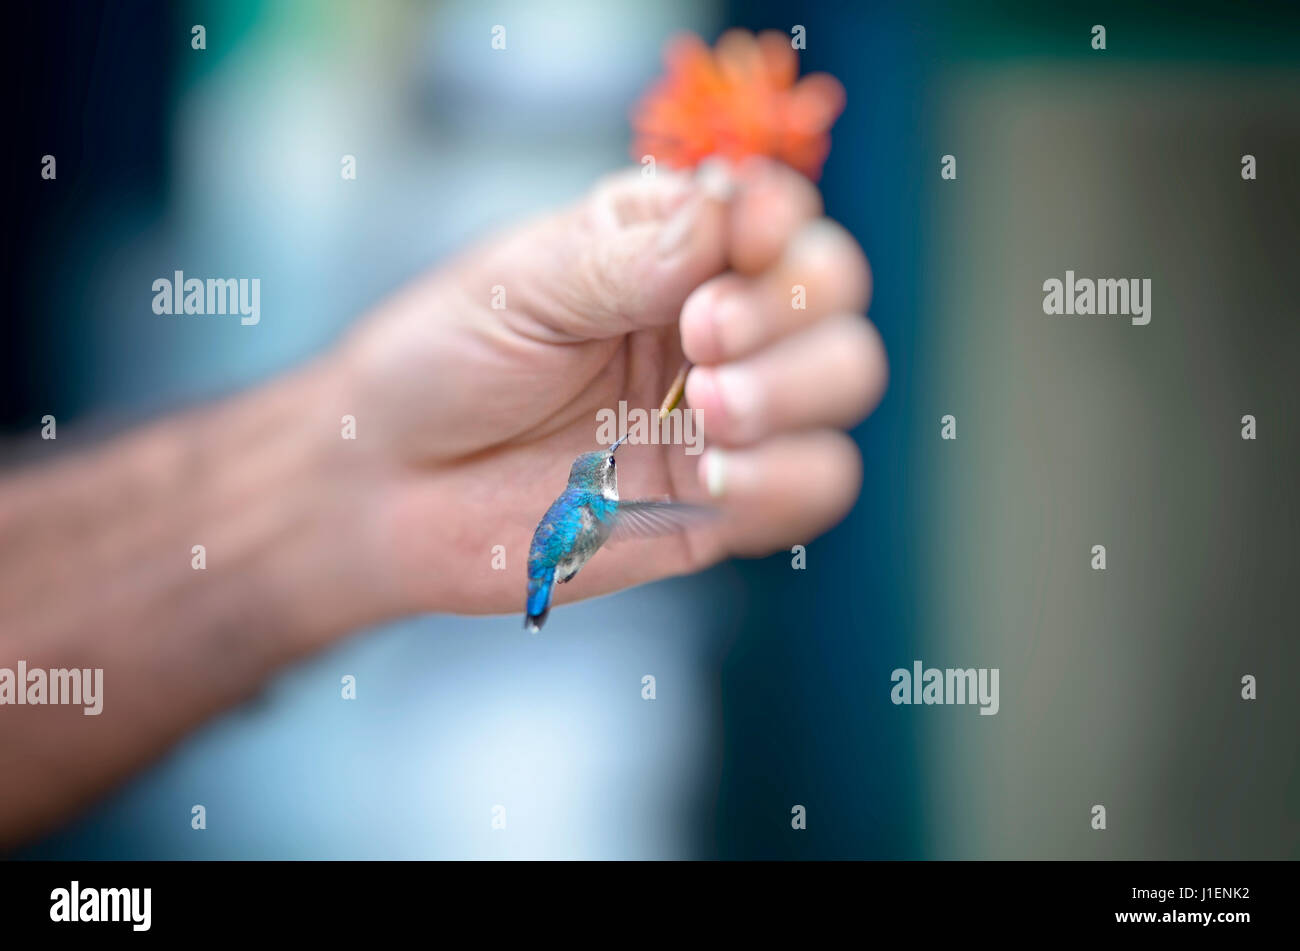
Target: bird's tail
539 602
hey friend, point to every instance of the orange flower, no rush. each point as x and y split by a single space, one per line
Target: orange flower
742 98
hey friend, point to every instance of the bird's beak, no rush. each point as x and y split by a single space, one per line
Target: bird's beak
620 442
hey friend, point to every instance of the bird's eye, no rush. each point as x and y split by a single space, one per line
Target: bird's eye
611 462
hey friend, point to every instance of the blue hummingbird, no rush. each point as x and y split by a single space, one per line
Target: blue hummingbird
587 513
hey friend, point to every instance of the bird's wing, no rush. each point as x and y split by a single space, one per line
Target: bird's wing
646 518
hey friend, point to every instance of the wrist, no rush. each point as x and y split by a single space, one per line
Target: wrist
292 505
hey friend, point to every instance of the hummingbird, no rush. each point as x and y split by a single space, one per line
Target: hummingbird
588 513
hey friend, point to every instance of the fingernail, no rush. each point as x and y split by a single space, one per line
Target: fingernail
714 467
678 228
814 240
716 179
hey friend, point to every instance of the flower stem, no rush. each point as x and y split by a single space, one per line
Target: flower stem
675 392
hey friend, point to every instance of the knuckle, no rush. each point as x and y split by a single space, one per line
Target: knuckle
861 357
833 260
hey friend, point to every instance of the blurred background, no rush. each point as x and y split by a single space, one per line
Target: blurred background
1119 687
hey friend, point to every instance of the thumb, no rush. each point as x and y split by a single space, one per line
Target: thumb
628 254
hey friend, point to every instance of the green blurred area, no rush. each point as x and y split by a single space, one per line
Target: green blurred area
1145 32
1120 687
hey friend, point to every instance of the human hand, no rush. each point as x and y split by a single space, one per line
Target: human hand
469 416
467 421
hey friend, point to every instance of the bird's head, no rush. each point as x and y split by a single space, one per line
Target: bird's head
596 470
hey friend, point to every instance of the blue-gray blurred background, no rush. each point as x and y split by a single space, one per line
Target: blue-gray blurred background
1118 687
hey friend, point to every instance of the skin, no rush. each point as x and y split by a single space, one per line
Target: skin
468 418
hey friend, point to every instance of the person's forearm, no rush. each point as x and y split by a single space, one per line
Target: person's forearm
98 570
